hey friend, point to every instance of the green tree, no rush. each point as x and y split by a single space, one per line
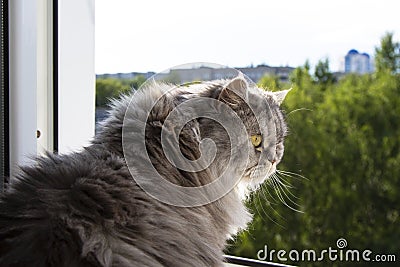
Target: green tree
135 82
301 77
345 138
322 73
387 55
108 88
270 82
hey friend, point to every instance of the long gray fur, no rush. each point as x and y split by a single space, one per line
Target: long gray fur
84 209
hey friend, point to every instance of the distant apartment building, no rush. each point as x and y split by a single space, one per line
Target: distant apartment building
183 75
128 75
260 71
355 62
207 73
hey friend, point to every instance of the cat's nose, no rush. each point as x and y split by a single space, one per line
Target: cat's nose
271 157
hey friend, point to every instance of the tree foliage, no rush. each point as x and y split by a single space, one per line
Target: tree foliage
108 88
341 163
387 56
322 73
345 139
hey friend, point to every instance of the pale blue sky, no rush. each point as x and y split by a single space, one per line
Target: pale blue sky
156 35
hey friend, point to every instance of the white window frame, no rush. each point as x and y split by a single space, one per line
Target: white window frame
64 119
22 80
76 74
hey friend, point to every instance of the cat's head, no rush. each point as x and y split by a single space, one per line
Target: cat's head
214 136
260 112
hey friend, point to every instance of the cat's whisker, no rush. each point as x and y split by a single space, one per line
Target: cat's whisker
286 185
275 211
261 203
265 212
284 180
292 195
269 193
278 193
292 187
287 190
292 174
259 199
270 202
283 190
299 109
262 191
254 200
280 196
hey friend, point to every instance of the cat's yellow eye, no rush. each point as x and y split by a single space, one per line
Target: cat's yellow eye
256 140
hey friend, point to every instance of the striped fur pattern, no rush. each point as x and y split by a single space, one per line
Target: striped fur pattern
84 208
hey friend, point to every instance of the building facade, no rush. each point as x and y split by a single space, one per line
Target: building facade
355 62
184 75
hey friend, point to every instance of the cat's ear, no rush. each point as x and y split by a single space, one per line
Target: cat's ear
280 95
235 91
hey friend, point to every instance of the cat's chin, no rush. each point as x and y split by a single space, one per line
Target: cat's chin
253 178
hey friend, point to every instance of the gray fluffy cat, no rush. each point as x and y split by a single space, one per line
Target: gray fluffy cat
85 209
